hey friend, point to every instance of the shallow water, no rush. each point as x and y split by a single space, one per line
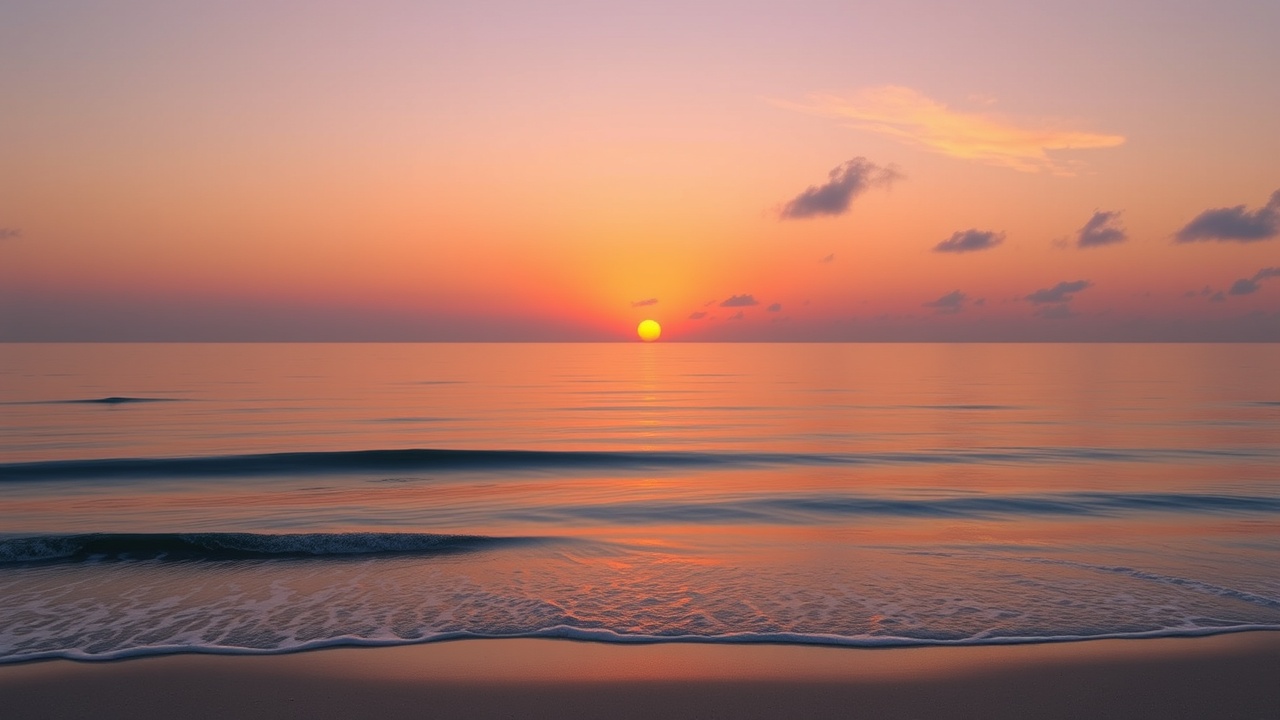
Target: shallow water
264 498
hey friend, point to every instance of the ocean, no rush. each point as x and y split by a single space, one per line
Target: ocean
258 498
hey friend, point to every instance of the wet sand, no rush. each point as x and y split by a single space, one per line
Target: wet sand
1225 676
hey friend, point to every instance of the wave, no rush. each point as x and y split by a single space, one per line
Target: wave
430 459
804 509
602 635
348 461
233 546
109 400
121 400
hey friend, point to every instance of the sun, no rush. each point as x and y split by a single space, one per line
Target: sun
648 330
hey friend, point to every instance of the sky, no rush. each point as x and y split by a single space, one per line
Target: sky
558 171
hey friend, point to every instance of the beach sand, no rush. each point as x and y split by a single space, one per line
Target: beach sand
1224 676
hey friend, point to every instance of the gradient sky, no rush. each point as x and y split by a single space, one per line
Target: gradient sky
560 170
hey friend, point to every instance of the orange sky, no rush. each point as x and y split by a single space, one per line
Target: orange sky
516 171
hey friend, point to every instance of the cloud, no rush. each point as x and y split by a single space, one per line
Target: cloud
740 301
776 307
845 182
1217 297
1248 286
952 302
737 316
1060 293
697 315
1244 286
1234 224
828 259
970 240
642 303
1102 229
9 233
913 118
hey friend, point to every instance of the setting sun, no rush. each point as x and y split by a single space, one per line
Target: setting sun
649 330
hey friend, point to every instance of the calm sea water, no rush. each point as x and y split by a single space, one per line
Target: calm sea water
267 498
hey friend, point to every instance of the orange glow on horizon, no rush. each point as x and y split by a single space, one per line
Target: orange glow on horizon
388 200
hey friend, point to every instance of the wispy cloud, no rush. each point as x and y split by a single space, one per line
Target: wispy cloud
914 118
1234 224
828 259
7 233
1062 292
698 315
969 241
952 302
740 301
737 316
643 303
776 307
844 183
1249 286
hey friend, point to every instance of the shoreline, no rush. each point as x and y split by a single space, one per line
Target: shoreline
1230 675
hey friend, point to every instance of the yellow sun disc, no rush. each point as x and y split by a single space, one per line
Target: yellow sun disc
648 330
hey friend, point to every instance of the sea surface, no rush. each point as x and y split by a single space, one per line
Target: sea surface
270 498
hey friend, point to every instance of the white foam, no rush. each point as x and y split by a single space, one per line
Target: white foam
875 598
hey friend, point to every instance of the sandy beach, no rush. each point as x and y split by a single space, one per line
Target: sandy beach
1225 676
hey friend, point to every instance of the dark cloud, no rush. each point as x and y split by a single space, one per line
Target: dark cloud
1055 302
970 240
642 303
844 184
1062 292
1248 286
776 307
740 301
952 302
1102 229
1244 286
1234 224
828 259
8 233
697 315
